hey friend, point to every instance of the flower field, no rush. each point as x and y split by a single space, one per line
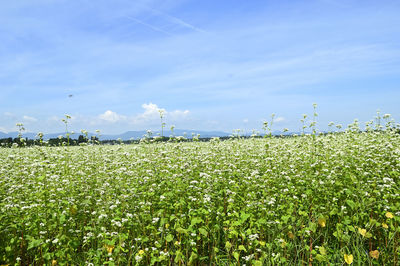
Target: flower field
331 198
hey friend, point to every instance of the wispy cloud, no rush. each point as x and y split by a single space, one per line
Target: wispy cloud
177 21
29 118
149 25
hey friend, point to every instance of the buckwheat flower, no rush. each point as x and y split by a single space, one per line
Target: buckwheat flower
162 253
207 198
253 237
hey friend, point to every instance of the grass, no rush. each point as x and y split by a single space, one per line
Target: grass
328 199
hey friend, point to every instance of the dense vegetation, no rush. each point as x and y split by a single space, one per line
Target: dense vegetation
261 201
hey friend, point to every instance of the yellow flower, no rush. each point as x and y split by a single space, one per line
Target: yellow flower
109 248
53 262
322 222
385 226
141 252
290 235
374 254
389 215
348 259
362 232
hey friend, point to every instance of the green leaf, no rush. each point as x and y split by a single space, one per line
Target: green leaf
351 203
322 250
285 219
241 247
236 255
169 238
228 245
34 243
196 220
62 219
257 263
192 258
203 232
181 231
320 258
312 226
351 228
244 216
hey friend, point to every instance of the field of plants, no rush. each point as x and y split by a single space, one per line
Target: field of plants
327 199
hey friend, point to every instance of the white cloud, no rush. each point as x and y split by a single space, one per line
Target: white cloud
245 120
279 119
111 116
113 122
148 118
29 118
152 113
178 114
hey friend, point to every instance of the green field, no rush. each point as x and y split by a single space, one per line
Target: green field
259 201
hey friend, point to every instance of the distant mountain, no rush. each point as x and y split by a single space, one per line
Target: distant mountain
177 132
124 136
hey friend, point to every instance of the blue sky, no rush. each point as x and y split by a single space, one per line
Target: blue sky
210 64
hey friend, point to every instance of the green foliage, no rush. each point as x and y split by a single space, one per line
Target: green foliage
257 201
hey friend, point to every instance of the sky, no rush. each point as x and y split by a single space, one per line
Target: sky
208 65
